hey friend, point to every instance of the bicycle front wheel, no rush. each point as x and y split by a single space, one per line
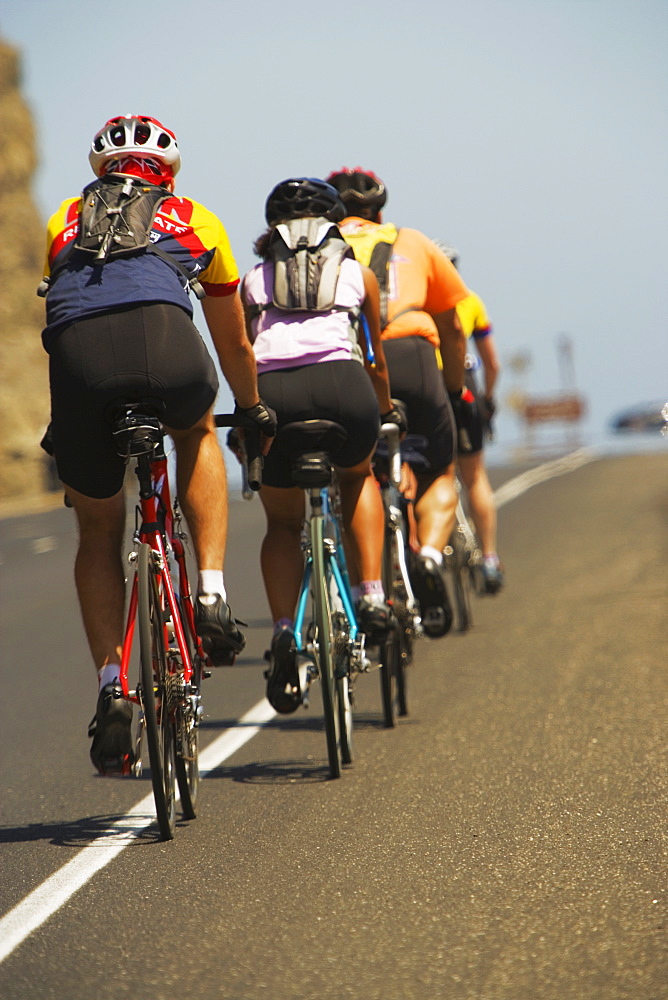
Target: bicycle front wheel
187 742
396 654
389 656
461 576
325 646
154 694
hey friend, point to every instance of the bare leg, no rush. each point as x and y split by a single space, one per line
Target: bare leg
435 509
364 519
99 574
481 499
202 490
281 557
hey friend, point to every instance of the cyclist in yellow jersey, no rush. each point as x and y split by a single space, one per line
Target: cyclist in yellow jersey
119 327
419 292
474 424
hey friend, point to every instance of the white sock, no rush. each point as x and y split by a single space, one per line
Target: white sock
373 591
211 582
429 550
108 674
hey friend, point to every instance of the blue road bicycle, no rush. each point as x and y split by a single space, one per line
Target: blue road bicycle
330 647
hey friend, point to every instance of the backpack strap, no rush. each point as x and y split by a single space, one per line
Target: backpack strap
380 265
193 281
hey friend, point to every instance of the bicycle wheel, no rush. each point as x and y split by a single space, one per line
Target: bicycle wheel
325 645
388 674
187 737
344 710
159 728
461 578
404 659
397 653
187 761
342 676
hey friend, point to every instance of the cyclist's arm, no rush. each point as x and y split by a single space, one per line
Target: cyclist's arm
453 349
371 310
486 348
225 319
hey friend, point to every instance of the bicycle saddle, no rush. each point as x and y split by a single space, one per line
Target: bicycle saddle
308 444
136 424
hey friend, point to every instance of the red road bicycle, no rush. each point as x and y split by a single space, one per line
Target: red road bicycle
173 663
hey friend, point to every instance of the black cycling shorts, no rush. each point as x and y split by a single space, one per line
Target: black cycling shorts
126 354
329 390
417 381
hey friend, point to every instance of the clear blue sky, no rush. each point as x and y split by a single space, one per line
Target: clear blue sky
532 134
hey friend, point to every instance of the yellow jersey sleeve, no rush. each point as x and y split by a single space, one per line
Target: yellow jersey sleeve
473 316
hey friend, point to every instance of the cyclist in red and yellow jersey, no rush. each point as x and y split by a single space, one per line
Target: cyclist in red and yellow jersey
119 327
419 292
474 423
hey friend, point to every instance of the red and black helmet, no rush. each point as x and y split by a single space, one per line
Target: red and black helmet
359 188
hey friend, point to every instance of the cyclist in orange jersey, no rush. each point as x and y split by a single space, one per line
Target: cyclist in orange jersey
419 292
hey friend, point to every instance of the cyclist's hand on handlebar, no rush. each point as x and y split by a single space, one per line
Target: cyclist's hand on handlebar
395 416
488 409
463 407
265 419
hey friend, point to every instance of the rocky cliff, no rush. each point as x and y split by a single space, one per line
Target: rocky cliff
24 393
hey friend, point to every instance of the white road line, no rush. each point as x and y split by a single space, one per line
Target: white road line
559 467
47 898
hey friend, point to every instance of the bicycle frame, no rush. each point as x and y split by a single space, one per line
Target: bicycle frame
158 524
335 562
391 495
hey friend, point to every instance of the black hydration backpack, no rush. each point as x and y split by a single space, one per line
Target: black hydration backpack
117 214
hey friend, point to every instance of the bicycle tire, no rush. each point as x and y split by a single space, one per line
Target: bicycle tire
405 658
345 713
187 743
397 653
159 728
325 642
187 764
461 578
388 674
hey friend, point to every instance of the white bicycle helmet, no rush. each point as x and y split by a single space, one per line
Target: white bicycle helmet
134 135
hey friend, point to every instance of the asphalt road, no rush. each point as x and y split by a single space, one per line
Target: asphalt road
507 841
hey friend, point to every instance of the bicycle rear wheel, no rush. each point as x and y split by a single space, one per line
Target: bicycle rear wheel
154 677
325 647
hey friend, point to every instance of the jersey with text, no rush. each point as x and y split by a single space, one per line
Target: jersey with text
182 228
